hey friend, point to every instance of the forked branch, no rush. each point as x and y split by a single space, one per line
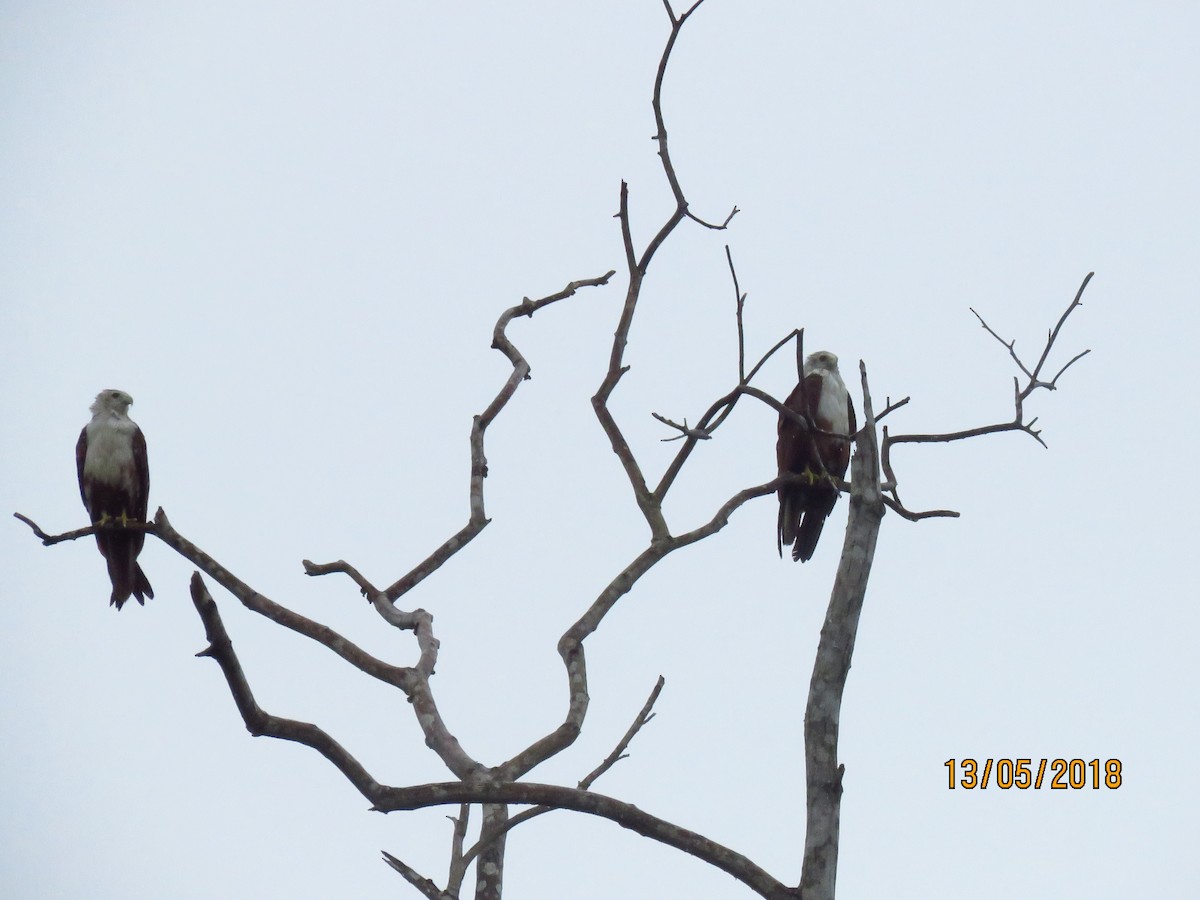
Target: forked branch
618 753
259 721
1033 381
483 789
650 503
720 409
385 600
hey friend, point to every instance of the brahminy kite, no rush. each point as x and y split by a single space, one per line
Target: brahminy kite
821 397
114 481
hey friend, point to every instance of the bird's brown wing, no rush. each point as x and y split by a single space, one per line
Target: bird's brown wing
80 458
142 470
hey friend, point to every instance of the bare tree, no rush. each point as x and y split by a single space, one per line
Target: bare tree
494 789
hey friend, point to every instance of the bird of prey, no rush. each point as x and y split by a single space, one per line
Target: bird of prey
821 397
114 481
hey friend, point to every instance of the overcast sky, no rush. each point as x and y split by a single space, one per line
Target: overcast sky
287 229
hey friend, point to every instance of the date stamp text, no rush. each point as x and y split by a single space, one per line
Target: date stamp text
1023 774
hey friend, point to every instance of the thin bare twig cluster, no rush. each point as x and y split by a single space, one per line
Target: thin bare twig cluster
1021 392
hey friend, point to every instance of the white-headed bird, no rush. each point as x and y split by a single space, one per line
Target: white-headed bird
114 481
822 398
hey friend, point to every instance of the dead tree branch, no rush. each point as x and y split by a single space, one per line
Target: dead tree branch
740 300
458 865
618 753
343 567
832 664
1018 422
482 789
413 877
624 814
258 721
677 23
684 430
478 518
414 681
650 503
721 408
49 540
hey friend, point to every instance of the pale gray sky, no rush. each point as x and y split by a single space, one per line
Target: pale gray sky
287 230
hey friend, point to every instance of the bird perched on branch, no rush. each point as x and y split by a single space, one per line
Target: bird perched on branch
114 481
822 399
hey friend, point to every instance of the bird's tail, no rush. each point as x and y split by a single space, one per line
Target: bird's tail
807 536
141 585
128 580
790 507
820 505
121 575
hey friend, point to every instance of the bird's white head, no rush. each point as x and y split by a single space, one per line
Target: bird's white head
112 401
821 361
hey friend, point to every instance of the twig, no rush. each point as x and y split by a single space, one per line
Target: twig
677 23
650 503
49 540
413 877
478 519
684 431
311 568
1020 394
1008 345
699 221
950 436
651 511
721 517
458 865
891 407
571 650
912 516
397 676
717 413
707 424
740 300
796 334
1078 301
1017 423
1034 376
894 502
618 753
